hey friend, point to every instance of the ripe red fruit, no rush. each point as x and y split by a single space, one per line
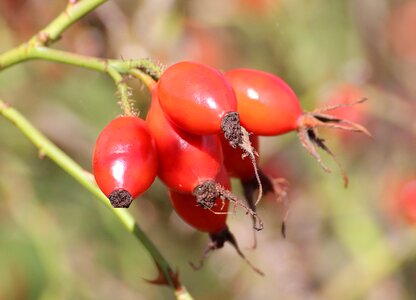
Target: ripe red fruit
124 160
212 221
196 97
207 220
407 201
268 106
199 100
188 163
185 160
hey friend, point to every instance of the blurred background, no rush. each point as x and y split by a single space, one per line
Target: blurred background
56 242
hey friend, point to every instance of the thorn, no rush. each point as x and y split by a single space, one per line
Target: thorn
283 229
162 280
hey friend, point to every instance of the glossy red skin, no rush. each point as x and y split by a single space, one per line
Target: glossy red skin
185 160
125 157
196 97
407 201
233 162
266 104
198 217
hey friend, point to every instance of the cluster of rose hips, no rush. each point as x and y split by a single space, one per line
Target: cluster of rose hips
202 128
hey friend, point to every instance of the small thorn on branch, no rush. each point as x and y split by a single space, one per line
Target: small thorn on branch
162 280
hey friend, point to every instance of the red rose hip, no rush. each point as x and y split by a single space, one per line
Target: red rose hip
407 201
268 106
185 160
212 221
196 97
208 220
124 160
189 163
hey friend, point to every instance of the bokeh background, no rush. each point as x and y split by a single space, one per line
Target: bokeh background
56 242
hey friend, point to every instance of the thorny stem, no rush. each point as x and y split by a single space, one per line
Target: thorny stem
37 48
27 51
148 80
47 148
123 91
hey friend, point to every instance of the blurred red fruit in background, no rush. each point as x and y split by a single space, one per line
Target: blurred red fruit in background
402 30
407 201
257 7
346 93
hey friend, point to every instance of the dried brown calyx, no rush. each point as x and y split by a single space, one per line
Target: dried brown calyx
239 137
207 192
120 198
307 131
218 240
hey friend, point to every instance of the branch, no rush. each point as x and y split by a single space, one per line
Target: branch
74 11
26 52
140 68
47 148
36 48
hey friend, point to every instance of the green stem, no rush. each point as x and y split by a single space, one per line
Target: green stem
112 67
35 49
74 11
26 52
123 91
48 149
